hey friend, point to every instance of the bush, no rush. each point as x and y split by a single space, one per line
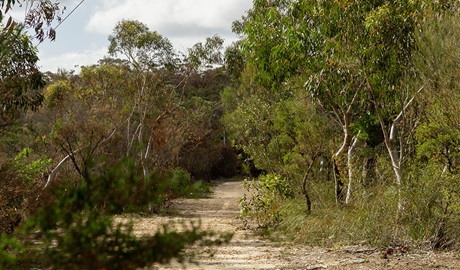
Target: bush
19 189
9 248
433 210
264 198
79 232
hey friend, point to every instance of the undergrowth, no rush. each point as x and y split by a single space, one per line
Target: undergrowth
76 228
429 218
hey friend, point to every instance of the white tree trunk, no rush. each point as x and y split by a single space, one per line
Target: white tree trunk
343 149
53 173
396 155
396 164
351 152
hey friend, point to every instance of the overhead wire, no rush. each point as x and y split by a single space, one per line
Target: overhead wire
65 18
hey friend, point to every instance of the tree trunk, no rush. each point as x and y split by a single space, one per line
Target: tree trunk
396 164
304 183
335 160
351 150
390 138
338 182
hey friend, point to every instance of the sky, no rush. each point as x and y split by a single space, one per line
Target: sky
82 39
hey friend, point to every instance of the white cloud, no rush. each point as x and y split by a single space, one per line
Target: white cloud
71 60
184 22
167 16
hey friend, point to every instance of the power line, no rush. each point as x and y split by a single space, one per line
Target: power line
65 18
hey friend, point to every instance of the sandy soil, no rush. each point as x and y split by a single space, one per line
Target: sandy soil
249 251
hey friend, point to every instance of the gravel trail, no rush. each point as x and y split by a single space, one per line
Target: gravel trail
249 251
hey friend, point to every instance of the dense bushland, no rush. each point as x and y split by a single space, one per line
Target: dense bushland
352 105
76 228
128 134
345 111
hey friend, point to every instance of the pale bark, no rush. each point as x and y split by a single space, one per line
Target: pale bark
337 175
351 152
390 138
53 173
347 138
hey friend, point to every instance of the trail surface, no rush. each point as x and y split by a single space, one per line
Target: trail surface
249 251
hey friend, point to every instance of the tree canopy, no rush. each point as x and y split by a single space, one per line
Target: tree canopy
20 79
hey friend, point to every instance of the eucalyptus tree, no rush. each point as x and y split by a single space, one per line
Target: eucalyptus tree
86 113
147 52
207 55
20 79
38 15
387 64
347 53
317 43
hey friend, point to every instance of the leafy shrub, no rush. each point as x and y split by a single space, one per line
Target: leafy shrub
19 189
264 197
29 171
432 212
9 248
79 233
180 180
179 184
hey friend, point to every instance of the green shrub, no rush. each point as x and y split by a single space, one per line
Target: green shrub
432 210
264 197
9 248
79 232
19 188
171 185
29 170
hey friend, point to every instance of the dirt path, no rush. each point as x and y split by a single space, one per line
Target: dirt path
248 251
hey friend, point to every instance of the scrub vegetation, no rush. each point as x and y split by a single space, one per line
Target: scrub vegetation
343 116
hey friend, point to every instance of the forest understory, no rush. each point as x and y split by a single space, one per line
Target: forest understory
251 250
343 118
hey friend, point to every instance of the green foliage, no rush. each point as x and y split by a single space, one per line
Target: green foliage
304 58
207 55
434 179
21 80
280 137
56 92
79 232
438 59
181 179
250 126
21 178
234 60
30 171
264 197
10 247
144 49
